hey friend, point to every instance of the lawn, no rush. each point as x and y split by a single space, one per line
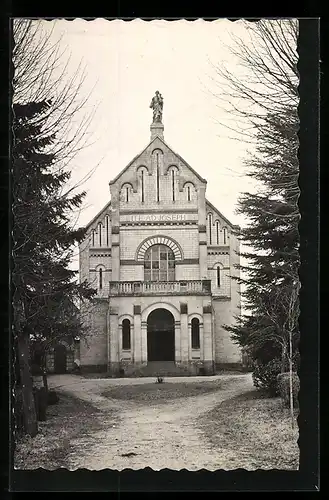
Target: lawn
66 420
255 431
163 392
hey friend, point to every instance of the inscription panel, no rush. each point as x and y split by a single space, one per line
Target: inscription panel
158 217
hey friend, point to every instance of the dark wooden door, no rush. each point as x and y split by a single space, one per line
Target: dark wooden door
161 336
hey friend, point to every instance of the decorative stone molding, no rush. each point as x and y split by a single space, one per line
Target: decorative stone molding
137 310
100 255
115 230
202 229
133 262
159 223
159 240
157 211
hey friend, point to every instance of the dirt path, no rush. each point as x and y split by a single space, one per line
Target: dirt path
157 436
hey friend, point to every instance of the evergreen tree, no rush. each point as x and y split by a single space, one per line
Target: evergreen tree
270 276
45 288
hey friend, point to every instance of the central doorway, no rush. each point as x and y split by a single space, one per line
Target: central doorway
160 336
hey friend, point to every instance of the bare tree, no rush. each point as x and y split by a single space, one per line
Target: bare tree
259 99
267 77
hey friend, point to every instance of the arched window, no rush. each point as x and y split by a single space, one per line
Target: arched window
225 235
100 234
100 279
209 226
158 176
195 331
142 185
188 193
173 184
217 232
126 334
93 238
159 264
127 194
107 230
218 276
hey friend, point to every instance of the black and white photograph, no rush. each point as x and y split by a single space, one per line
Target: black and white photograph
155 244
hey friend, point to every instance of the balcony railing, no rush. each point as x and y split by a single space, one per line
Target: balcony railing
190 287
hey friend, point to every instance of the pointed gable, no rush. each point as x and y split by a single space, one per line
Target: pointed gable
217 215
100 216
143 159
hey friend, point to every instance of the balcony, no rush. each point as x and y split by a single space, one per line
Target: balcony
138 288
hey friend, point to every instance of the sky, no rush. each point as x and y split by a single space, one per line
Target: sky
124 63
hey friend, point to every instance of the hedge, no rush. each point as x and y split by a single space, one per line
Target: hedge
284 388
265 376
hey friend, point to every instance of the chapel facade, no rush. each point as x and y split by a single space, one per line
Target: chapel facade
162 258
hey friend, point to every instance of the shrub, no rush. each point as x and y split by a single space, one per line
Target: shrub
265 376
284 389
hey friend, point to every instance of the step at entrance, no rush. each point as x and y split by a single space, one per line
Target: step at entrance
161 369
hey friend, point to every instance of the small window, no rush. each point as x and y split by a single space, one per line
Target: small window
127 194
93 238
126 334
217 232
218 277
209 225
107 230
100 234
195 330
173 184
100 275
188 193
142 185
225 235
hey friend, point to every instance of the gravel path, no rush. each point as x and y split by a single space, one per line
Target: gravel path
150 435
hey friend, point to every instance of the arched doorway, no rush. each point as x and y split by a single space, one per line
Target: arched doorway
60 358
160 336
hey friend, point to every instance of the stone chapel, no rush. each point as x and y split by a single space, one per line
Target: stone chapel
162 258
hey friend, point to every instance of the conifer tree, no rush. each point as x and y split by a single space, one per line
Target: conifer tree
45 288
262 98
270 275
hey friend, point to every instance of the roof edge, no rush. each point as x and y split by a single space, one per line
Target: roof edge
234 226
97 215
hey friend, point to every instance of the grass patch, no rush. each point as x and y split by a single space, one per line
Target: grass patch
50 448
162 393
255 431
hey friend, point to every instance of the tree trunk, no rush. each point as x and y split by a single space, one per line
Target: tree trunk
30 417
284 358
45 380
290 381
44 372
